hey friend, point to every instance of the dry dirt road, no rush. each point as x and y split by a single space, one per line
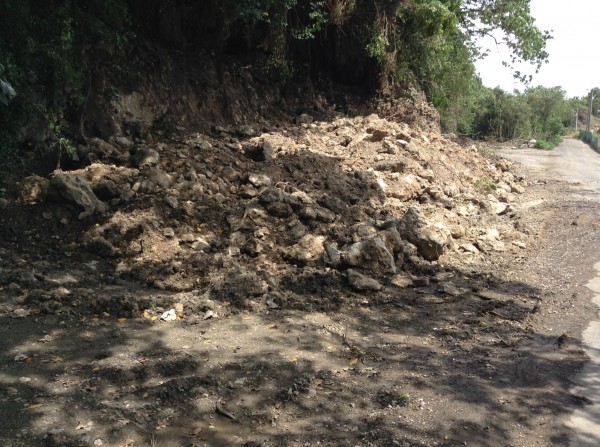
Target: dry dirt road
575 162
572 161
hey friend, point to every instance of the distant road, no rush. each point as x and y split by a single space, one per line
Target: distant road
575 161
572 160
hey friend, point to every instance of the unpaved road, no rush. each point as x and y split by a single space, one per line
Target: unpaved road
574 161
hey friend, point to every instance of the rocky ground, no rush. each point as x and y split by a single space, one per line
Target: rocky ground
349 282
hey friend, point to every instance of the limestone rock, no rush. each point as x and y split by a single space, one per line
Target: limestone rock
75 189
107 189
101 247
490 241
103 148
309 249
332 203
146 157
332 256
405 188
259 180
154 180
305 118
370 254
33 189
200 244
431 239
362 283
123 141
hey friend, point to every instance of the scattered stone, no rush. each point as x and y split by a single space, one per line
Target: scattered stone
469 248
517 189
489 241
308 249
20 313
20 357
33 189
402 280
146 157
200 244
333 204
388 147
332 256
362 283
423 281
169 315
107 189
169 232
377 135
279 209
448 288
102 247
187 237
305 118
247 191
371 254
154 180
75 189
431 239
124 142
259 180
178 307
262 152
172 202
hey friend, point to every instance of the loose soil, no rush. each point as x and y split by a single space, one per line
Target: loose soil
490 365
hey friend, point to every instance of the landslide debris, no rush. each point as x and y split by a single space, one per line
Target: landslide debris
315 214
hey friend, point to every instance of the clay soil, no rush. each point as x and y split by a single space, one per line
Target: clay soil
489 366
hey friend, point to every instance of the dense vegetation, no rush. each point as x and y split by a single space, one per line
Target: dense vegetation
48 50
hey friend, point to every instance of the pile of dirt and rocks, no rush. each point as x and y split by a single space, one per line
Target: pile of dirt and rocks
337 283
314 214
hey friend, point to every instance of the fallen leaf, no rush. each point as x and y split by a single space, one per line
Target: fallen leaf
57 359
353 361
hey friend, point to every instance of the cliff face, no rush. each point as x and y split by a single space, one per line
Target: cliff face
192 65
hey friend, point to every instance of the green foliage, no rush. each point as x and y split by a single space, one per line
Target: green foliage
317 19
591 138
48 49
526 43
46 52
540 112
546 145
485 185
403 399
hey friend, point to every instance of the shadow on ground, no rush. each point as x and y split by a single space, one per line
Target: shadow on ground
419 369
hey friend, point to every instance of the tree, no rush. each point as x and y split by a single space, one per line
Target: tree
513 19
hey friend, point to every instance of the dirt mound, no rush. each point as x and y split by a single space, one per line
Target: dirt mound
315 214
